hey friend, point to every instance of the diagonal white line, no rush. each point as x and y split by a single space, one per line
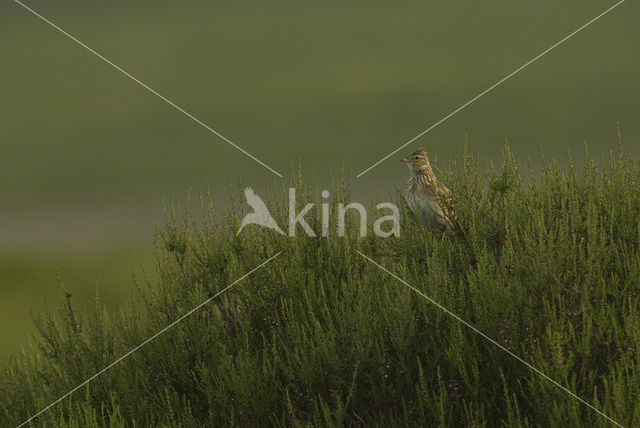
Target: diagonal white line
491 87
150 339
171 103
488 338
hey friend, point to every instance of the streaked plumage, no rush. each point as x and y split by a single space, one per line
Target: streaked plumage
428 198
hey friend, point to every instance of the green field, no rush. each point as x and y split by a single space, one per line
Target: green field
88 155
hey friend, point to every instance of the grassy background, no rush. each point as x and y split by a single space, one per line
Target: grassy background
87 155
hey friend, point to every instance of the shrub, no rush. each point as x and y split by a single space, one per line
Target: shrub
546 264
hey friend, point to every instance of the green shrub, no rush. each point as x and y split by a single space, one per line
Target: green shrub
546 264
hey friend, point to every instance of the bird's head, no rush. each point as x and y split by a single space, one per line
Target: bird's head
418 160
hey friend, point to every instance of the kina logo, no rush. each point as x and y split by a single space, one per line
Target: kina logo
260 214
262 217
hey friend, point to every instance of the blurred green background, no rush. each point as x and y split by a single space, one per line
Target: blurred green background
87 154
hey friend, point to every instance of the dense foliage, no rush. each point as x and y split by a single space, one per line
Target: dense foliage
546 264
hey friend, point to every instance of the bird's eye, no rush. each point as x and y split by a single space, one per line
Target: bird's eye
416 157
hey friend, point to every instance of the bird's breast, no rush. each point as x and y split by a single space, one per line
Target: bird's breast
427 210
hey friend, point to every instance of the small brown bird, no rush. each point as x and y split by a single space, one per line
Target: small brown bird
428 198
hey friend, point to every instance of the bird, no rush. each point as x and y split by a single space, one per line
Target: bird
428 198
260 216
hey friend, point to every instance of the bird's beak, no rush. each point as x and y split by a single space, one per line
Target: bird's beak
405 160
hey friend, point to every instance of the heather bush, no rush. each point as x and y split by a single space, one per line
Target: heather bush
545 261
